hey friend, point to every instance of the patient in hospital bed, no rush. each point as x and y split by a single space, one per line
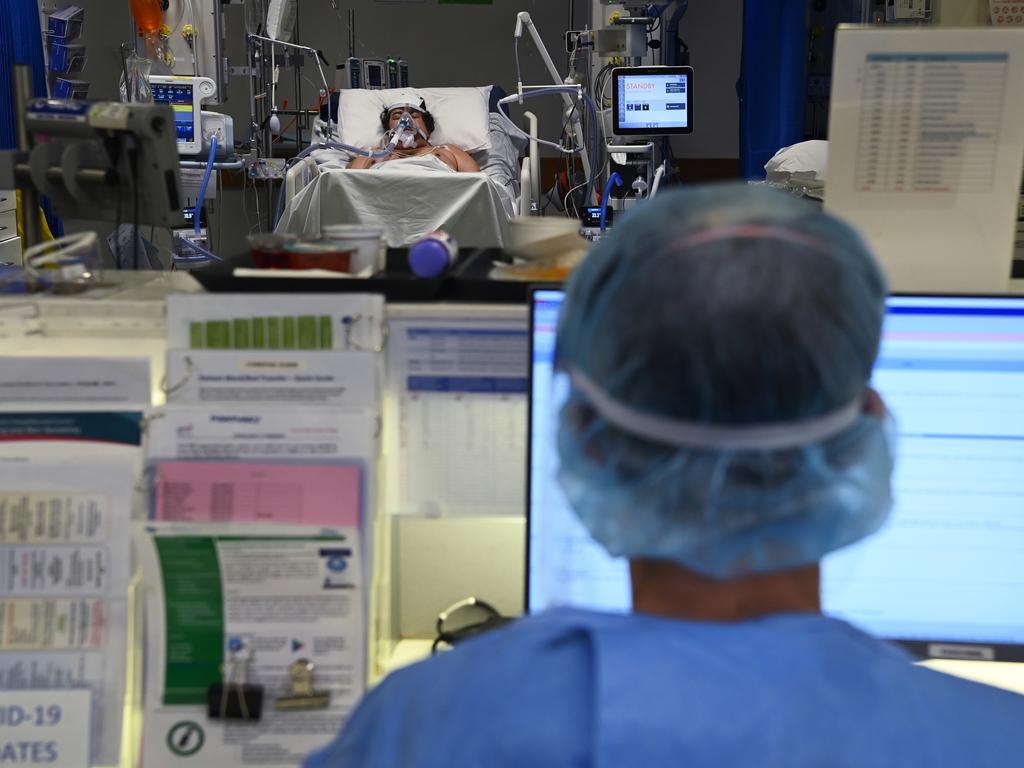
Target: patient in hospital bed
416 149
459 173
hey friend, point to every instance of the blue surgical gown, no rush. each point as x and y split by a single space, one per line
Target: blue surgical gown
576 688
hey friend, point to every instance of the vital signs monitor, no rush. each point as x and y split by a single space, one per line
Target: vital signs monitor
652 101
944 575
186 96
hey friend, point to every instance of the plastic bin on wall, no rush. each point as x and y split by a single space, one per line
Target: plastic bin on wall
773 80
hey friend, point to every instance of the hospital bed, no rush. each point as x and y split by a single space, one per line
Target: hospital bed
409 202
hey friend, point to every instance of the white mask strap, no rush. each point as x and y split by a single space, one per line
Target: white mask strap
692 434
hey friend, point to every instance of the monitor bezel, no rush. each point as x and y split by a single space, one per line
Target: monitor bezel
195 146
620 72
952 650
531 298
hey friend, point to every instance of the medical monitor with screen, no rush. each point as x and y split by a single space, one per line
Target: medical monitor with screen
945 575
652 101
182 98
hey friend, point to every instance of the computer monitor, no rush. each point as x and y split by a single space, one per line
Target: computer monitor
945 575
183 96
652 101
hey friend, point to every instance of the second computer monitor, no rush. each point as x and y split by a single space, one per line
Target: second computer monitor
652 101
944 575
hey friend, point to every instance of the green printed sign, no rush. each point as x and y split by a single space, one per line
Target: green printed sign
194 608
307 332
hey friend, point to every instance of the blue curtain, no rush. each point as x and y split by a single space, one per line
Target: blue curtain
21 42
773 80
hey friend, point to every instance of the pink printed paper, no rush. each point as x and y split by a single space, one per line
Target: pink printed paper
241 492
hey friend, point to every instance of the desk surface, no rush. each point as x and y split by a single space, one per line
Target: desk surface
998 674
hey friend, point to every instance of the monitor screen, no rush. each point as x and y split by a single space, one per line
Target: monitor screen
945 575
652 101
179 96
376 73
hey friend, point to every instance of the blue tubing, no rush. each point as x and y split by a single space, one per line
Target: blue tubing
617 181
206 181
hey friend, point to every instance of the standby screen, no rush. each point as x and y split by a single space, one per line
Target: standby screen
652 102
948 563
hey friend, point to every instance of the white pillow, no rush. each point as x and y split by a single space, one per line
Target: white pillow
460 115
807 159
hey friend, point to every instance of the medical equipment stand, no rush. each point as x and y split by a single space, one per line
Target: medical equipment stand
31 226
524 21
636 155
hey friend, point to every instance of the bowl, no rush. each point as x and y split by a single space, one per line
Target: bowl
542 237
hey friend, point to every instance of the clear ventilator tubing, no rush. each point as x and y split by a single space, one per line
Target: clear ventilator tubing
658 175
571 89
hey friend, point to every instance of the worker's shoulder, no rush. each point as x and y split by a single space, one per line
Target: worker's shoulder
526 658
535 640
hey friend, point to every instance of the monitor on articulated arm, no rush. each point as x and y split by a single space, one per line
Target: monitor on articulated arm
652 101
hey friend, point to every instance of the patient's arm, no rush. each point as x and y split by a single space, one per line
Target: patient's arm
361 163
464 163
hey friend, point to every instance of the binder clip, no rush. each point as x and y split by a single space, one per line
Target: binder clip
234 698
303 695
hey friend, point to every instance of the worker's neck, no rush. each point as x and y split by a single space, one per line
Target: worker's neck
665 589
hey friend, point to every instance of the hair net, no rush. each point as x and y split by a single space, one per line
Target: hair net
719 344
412 105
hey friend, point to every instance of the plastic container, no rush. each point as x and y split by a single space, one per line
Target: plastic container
67 59
148 15
433 255
366 243
270 251
318 254
66 88
66 24
538 237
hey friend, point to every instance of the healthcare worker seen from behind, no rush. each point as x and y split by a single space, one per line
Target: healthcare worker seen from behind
720 433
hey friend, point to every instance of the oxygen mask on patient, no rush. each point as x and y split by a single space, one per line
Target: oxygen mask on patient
407 132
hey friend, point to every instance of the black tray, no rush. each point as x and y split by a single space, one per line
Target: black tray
467 281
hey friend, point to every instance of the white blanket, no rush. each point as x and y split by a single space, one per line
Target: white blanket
407 199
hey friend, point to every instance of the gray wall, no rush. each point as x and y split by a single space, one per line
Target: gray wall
447 45
713 30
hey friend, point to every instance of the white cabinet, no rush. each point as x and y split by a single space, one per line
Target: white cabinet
10 243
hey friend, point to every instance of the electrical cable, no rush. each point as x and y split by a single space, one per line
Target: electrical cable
133 164
565 202
259 216
118 207
117 229
220 212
